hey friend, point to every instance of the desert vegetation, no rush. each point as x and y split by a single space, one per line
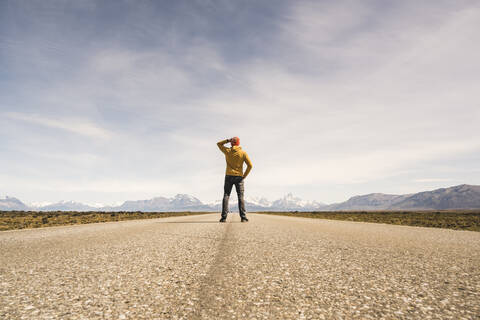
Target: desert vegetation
36 219
450 219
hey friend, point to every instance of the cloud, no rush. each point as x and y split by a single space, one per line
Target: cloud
432 180
362 167
80 127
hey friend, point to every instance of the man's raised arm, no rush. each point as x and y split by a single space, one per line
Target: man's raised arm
221 146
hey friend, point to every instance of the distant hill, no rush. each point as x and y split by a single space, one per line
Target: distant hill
458 197
372 201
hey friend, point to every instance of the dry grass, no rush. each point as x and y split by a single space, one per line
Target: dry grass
450 219
35 219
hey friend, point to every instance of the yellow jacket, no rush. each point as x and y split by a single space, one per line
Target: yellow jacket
235 157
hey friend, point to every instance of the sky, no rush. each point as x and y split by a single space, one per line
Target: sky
107 101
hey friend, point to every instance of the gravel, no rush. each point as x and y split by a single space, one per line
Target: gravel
273 267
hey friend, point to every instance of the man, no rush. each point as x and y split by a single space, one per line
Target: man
234 175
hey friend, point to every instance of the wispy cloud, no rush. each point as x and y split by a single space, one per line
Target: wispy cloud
432 180
81 127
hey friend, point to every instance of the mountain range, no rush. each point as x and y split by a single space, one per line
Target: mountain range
456 197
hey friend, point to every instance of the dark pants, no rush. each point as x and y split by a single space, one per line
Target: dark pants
227 188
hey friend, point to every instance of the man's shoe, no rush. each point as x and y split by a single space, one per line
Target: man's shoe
244 220
223 220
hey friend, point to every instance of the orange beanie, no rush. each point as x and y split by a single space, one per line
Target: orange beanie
235 141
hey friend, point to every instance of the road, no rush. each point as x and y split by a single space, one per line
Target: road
273 267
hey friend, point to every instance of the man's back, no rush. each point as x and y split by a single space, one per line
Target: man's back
235 157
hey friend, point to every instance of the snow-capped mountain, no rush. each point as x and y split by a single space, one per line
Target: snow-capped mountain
185 200
258 201
181 202
39 204
11 203
66 206
290 202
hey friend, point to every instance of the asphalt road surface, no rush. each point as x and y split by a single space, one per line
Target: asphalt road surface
273 267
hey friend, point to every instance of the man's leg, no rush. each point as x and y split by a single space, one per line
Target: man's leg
239 186
227 189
